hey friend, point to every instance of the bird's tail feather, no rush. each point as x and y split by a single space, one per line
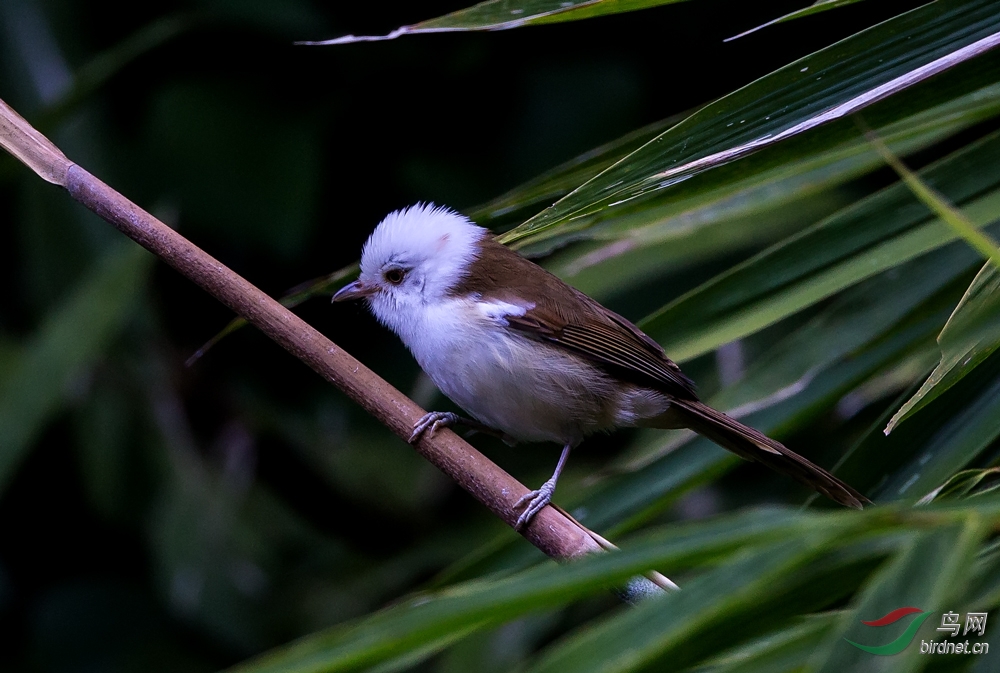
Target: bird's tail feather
751 444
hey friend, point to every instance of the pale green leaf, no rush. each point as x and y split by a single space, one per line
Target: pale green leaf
506 14
950 215
929 448
815 8
963 425
959 485
970 336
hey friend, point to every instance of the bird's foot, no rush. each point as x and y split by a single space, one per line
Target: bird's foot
431 421
534 501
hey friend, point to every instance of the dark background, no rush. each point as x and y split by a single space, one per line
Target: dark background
279 159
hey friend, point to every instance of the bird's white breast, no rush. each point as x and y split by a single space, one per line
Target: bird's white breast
529 389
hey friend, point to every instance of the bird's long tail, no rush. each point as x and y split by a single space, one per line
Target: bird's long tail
748 443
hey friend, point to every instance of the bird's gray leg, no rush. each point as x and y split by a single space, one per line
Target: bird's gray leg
536 500
431 421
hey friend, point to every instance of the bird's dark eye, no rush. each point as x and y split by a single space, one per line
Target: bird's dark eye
395 276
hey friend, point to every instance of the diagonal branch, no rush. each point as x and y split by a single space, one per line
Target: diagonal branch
552 531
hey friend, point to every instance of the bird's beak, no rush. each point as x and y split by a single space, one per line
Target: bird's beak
355 290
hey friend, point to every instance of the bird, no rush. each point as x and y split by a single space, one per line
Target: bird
529 357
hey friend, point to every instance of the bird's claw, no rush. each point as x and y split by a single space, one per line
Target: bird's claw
535 501
430 422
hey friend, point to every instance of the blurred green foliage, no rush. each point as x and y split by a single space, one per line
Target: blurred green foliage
160 517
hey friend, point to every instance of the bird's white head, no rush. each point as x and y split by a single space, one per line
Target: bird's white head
412 260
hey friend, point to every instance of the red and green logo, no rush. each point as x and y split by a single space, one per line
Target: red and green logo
905 638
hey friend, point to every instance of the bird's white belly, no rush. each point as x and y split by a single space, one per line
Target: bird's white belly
530 390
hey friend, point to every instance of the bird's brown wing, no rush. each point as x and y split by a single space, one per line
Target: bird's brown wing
610 340
565 316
